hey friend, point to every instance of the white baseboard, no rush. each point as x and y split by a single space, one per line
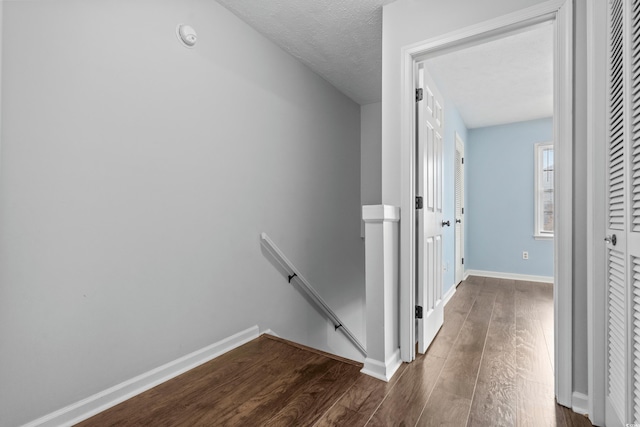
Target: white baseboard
580 403
382 371
110 397
269 332
449 294
513 276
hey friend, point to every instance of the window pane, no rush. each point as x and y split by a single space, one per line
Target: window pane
545 178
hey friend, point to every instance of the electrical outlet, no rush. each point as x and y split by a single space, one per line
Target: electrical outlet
525 255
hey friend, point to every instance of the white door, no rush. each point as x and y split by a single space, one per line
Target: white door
429 217
623 216
459 229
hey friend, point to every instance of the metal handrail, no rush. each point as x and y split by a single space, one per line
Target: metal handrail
293 273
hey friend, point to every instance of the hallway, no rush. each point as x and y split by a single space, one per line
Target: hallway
490 365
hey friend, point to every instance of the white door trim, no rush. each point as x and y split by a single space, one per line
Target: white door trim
458 267
597 15
560 12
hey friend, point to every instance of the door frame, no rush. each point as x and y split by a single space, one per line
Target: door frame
459 252
560 14
597 101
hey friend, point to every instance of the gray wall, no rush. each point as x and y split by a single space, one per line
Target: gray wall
371 138
370 155
136 177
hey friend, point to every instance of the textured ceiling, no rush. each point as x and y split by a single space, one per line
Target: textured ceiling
502 81
340 40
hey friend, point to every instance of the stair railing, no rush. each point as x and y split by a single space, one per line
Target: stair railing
294 274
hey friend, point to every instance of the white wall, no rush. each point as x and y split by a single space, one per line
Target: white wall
135 178
370 155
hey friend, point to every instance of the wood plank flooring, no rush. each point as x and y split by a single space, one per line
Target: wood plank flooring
490 365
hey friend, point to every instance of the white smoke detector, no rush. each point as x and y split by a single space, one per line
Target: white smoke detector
187 35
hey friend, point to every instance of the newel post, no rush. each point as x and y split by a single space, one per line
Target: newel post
382 290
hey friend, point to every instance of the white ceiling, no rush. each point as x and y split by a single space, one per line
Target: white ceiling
502 81
340 40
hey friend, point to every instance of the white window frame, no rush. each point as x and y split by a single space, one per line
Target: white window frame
538 203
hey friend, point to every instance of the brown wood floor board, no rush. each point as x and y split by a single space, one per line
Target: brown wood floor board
211 406
274 392
526 307
340 415
310 403
537 405
546 321
575 420
504 309
447 335
444 409
494 398
404 403
464 298
460 370
183 391
535 290
367 392
494 404
475 280
459 374
532 355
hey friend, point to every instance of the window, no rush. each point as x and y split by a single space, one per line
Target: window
544 190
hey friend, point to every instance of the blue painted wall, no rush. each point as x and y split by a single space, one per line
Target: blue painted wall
452 123
499 209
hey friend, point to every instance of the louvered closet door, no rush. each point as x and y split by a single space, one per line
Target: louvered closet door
623 223
459 225
634 235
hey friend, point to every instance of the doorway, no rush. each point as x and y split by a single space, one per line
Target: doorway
559 15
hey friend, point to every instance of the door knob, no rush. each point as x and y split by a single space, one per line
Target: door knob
447 223
458 221
611 239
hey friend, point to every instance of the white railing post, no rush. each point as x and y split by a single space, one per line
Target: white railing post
382 290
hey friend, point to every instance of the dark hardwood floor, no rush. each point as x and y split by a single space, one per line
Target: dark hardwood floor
490 365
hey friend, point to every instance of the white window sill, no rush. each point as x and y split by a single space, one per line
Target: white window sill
543 236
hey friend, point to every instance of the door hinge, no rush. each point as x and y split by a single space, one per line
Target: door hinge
462 261
463 160
462 211
418 312
419 95
419 203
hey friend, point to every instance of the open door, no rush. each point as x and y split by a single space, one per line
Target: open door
430 306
